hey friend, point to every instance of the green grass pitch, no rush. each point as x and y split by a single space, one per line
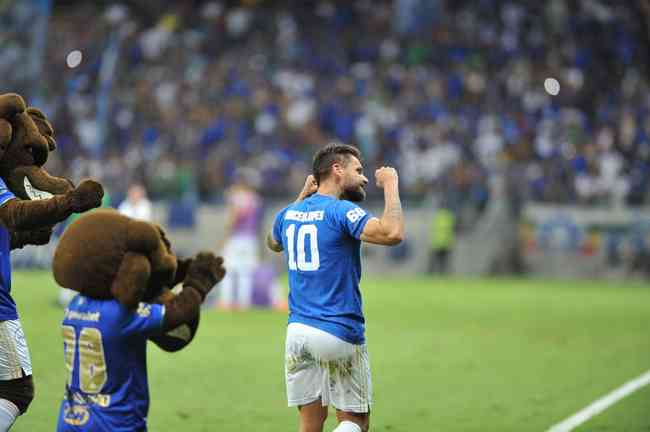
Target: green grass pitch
446 355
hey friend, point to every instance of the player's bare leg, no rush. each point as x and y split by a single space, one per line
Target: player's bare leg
361 420
312 416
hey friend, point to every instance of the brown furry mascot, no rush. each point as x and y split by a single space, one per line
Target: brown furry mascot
124 270
31 203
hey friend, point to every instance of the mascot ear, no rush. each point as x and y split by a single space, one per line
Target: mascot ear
131 280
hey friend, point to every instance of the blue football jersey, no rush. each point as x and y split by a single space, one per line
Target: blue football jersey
105 347
7 305
322 246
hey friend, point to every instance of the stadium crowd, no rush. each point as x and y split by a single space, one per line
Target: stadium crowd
448 91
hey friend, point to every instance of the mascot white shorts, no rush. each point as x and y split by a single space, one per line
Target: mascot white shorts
14 354
320 365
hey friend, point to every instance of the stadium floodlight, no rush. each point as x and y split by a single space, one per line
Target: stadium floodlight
552 86
73 59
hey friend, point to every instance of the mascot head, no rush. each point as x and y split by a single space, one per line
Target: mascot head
26 140
106 255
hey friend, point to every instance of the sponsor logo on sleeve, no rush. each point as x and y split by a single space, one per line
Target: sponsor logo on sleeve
355 214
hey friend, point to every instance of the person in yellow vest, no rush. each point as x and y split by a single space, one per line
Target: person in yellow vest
442 234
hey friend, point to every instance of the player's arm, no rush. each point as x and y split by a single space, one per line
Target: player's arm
273 244
389 229
204 272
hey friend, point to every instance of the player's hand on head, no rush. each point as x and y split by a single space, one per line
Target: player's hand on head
204 272
310 186
385 175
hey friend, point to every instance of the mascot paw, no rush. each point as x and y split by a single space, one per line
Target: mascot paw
11 104
204 272
44 126
88 195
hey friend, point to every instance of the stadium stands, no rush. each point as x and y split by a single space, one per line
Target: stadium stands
448 91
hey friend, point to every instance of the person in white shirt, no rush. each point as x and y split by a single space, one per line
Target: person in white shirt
136 205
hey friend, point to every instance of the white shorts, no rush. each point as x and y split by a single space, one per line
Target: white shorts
14 354
320 365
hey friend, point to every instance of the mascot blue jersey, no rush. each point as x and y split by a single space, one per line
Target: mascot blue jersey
322 246
105 355
7 305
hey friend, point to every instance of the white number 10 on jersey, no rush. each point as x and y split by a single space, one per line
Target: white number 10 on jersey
298 247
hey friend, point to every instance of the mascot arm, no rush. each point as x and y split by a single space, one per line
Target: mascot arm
180 309
37 237
21 215
201 275
181 320
181 270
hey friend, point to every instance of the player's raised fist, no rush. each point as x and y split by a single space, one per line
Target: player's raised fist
385 175
87 195
204 272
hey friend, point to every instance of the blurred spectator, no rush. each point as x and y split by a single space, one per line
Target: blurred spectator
449 91
136 205
443 225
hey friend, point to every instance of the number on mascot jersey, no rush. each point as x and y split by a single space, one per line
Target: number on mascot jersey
92 363
297 247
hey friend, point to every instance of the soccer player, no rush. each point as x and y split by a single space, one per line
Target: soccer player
105 352
326 361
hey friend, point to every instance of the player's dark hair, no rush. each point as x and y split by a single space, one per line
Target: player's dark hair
326 157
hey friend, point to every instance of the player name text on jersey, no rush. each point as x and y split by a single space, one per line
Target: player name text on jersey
299 216
82 316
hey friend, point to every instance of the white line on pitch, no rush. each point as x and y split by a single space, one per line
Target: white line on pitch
602 404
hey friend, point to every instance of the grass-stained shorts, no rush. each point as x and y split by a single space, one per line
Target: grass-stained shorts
320 365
